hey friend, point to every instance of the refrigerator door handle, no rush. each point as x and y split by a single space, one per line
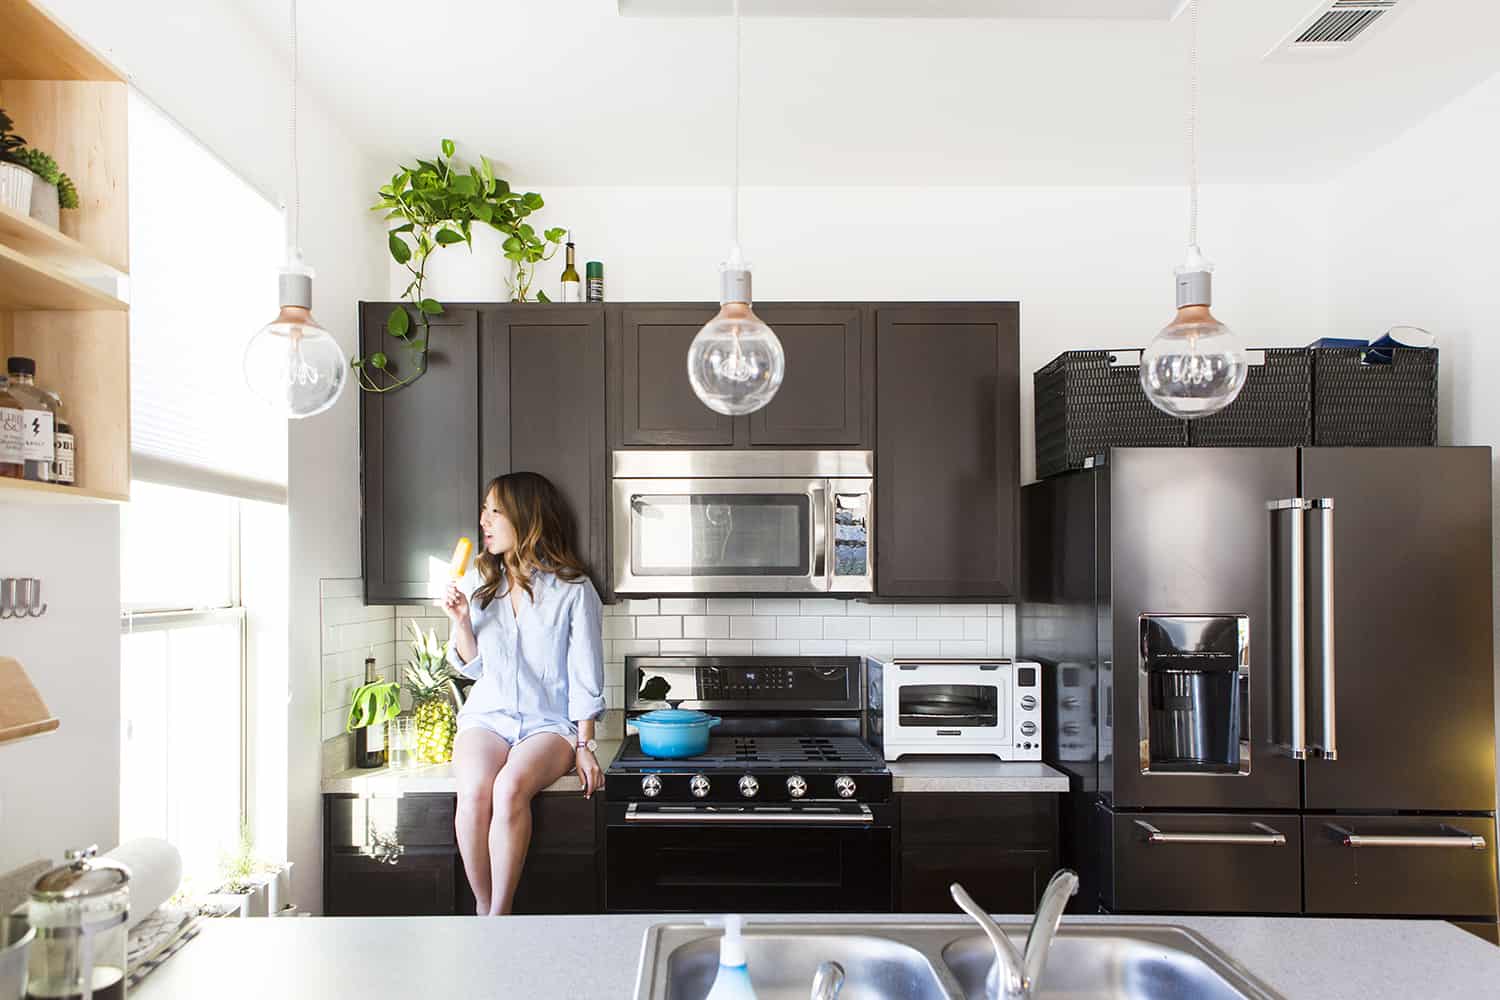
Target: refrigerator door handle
1456 839
1291 723
1267 837
1321 642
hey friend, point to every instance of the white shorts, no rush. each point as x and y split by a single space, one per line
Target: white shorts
513 730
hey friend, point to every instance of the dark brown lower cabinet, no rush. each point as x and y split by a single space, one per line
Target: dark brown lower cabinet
420 883
1001 847
1410 866
1261 875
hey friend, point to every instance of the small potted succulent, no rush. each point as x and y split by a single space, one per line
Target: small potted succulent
51 189
15 178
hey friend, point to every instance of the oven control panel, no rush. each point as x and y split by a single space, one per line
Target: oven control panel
794 683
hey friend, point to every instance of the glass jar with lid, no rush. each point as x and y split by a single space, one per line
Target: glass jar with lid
78 912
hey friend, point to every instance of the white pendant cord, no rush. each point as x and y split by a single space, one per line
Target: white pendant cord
296 227
1192 125
734 193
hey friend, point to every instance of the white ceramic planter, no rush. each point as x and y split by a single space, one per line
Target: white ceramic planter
459 274
15 187
44 203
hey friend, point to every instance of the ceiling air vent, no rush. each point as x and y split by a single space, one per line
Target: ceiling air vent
1334 27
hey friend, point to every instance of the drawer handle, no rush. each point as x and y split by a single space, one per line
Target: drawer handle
1266 838
1458 838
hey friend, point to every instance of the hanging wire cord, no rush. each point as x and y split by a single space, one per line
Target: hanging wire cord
292 127
734 191
1192 124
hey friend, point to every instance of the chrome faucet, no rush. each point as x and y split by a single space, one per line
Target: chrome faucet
827 982
1015 974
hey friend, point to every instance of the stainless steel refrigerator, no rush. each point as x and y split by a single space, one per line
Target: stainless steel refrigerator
1271 678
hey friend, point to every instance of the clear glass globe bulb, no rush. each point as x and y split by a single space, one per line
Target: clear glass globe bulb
736 362
1194 366
295 365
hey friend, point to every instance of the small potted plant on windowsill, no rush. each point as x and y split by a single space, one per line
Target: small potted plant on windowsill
51 189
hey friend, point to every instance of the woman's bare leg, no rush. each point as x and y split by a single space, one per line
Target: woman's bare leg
478 756
534 764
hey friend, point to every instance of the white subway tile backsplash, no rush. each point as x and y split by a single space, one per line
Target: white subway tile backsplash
334 722
329 587
880 649
619 627
348 610
638 606
823 606
916 647
614 673
731 606
340 692
893 628
752 628
920 610
730 647
997 636
976 628
358 636
864 609
822 647
962 647
777 606
683 605
658 627
960 610
705 627
614 696
940 628
776 647
995 610
684 647
799 628
636 647
846 628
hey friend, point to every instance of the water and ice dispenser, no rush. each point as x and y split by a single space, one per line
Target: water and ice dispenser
1194 693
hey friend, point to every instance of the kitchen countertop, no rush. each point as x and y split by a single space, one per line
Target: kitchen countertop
911 774
376 958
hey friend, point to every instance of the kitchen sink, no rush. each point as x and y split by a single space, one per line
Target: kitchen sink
945 961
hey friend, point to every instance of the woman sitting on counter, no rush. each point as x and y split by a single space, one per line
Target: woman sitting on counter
527 627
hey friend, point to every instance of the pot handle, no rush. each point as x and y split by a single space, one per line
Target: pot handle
714 720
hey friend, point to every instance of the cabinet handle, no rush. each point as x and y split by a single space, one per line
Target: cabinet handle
1457 839
1326 742
820 518
1266 838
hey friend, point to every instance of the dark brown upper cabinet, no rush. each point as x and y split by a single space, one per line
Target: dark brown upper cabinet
947 470
824 400
542 410
419 457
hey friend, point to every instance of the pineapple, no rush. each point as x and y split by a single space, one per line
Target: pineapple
427 675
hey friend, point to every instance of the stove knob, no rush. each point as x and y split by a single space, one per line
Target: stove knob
1028 728
844 785
749 786
1070 728
1070 702
698 785
1028 702
651 786
796 786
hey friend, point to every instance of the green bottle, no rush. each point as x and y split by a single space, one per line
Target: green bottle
572 291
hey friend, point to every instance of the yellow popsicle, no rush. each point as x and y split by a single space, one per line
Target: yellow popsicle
459 565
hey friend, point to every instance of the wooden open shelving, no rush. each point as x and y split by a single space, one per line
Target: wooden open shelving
65 99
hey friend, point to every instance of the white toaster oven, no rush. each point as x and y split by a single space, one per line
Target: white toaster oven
955 706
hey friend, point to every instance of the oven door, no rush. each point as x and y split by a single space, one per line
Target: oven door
828 858
742 536
929 705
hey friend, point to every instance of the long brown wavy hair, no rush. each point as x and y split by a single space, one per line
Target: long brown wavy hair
544 537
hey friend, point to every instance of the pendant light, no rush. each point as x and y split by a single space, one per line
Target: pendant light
1195 366
735 363
293 363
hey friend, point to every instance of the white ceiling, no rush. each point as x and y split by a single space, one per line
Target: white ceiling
566 92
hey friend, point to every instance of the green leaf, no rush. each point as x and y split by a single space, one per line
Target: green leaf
555 235
379 360
482 210
532 200
447 237
399 250
403 229
541 296
417 346
397 324
430 306
512 245
448 147
525 231
464 185
502 187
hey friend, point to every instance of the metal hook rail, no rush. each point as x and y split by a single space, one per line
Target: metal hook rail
21 597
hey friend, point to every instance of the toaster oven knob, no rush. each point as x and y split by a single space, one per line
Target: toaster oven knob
1028 728
844 785
651 786
1028 702
749 786
698 785
796 786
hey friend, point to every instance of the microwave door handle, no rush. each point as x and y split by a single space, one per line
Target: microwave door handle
821 516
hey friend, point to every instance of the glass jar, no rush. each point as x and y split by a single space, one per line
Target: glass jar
64 445
38 447
78 912
401 736
12 423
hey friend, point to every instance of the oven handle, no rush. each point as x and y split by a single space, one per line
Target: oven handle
820 520
863 816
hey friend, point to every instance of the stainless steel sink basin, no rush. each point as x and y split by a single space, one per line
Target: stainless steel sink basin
928 961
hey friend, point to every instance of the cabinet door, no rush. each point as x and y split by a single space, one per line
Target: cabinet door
1205 863
822 399
418 884
1400 865
1001 847
419 458
947 468
657 405
542 404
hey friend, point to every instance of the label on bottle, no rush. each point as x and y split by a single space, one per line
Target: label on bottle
375 737
572 291
37 440
62 464
12 435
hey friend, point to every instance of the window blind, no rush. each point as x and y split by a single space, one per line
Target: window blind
205 247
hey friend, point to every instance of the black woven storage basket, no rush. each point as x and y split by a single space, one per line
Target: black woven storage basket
1373 405
1273 410
1084 405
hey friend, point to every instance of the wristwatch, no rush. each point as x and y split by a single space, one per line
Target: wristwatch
588 745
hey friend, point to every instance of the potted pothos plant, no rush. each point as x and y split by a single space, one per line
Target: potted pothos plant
436 204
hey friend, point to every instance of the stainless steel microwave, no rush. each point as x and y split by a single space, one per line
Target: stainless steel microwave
743 522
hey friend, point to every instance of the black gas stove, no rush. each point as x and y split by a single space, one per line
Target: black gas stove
789 809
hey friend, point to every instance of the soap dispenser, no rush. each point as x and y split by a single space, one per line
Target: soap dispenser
733 980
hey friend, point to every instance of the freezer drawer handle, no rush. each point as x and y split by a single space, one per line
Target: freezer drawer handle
763 815
1458 838
1266 838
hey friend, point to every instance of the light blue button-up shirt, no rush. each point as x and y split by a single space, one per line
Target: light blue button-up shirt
545 665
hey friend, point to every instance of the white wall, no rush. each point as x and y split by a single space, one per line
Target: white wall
63 790
1091 267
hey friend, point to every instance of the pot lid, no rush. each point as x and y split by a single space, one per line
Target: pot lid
84 875
674 717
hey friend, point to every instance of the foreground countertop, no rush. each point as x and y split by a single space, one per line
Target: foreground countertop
911 774
397 958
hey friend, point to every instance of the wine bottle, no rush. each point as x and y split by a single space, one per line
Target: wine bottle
572 288
369 741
